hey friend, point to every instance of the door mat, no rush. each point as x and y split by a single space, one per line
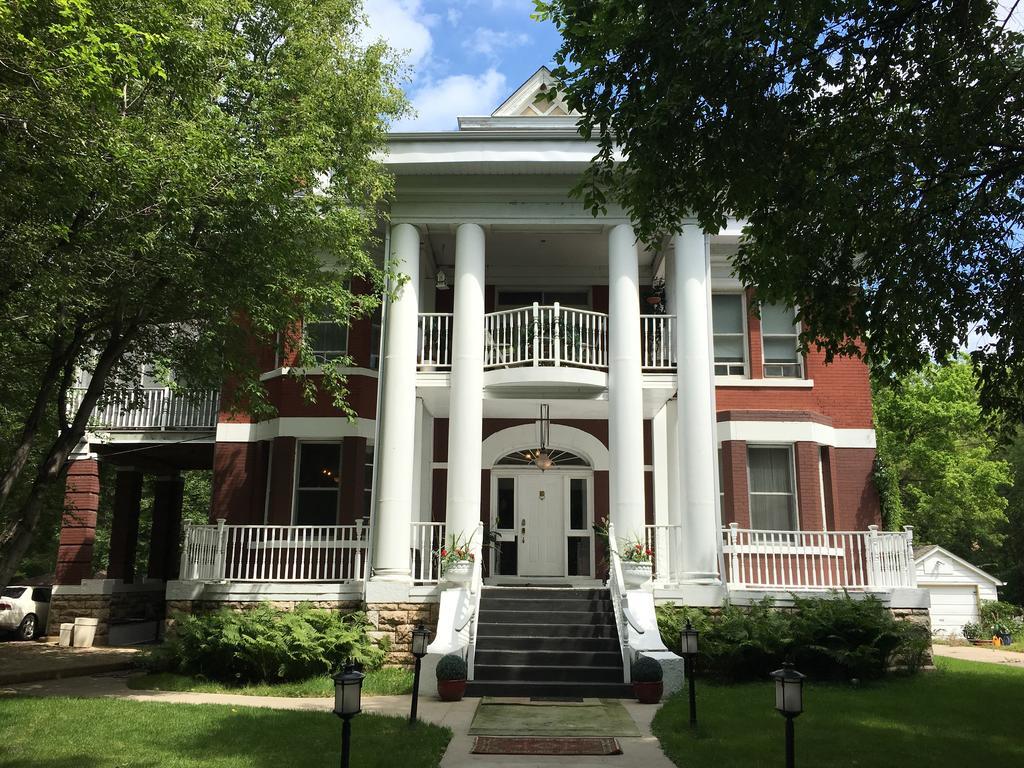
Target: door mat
556 700
515 745
522 718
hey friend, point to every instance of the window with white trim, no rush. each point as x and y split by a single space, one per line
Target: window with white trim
772 483
780 337
728 335
327 339
318 484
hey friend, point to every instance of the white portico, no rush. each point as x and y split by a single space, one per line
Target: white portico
489 206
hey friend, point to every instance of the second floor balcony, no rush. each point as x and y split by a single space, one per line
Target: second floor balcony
545 335
153 409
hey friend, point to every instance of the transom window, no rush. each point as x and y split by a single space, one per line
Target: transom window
729 338
780 335
527 456
772 498
318 484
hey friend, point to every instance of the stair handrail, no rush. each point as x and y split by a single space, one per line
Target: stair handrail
617 588
476 584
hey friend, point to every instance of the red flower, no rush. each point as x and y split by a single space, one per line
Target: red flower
444 552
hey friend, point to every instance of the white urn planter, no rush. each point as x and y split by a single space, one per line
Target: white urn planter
459 573
635 575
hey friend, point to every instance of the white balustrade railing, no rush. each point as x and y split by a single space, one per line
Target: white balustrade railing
424 561
435 350
274 553
657 336
666 542
152 408
581 338
816 560
476 585
617 588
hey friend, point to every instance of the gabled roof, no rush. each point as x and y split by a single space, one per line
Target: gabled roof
924 552
528 99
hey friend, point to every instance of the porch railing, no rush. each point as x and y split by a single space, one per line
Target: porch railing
274 553
816 560
541 335
153 408
424 562
666 542
617 590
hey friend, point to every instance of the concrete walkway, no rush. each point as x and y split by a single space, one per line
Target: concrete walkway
25 661
644 750
979 653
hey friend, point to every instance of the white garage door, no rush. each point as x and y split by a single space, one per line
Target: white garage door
952 607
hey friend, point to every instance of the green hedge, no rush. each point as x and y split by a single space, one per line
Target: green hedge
266 644
833 638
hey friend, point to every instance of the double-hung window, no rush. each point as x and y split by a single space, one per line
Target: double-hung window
327 338
729 339
772 495
318 484
780 337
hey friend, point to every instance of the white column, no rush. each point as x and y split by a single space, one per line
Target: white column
625 387
397 411
465 413
695 409
676 493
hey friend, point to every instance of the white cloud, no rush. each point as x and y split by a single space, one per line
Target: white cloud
454 14
404 25
487 42
438 103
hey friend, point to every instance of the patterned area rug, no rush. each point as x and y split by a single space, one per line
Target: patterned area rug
516 745
537 719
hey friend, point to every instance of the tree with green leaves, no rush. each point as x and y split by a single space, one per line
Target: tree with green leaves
873 148
939 465
181 181
1011 560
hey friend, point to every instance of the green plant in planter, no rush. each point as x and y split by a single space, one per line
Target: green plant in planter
451 667
972 631
646 670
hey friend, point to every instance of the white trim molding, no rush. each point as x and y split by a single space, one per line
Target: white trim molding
308 427
794 432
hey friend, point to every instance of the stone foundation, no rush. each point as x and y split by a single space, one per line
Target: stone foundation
108 601
67 608
396 621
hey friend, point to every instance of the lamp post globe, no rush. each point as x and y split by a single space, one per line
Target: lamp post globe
689 640
348 691
789 701
420 640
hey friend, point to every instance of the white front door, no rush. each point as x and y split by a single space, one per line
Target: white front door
541 525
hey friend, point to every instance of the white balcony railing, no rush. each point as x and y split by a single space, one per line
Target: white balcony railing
153 408
819 560
424 563
541 335
274 553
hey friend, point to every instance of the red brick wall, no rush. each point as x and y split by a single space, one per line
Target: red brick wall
239 482
828 463
855 485
282 481
78 523
808 488
736 501
353 462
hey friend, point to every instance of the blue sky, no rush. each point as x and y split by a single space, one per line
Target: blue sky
464 57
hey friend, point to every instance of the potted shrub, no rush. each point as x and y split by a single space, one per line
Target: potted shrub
636 564
451 677
646 674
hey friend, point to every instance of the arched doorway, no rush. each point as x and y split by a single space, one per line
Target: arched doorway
543 519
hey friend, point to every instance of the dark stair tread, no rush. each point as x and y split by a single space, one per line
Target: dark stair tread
526 688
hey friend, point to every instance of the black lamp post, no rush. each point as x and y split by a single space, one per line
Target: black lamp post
789 700
348 690
420 637
689 638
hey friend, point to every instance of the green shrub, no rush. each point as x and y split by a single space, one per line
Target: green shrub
265 644
451 667
973 631
997 617
646 670
836 637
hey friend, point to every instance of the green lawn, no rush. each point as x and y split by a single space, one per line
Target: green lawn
962 714
379 682
109 733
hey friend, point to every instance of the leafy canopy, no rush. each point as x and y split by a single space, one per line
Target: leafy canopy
874 148
182 180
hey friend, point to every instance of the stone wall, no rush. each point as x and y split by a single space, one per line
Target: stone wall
396 621
67 608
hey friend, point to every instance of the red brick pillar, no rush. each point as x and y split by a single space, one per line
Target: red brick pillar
164 539
808 486
735 488
124 529
828 469
754 338
282 481
78 524
353 479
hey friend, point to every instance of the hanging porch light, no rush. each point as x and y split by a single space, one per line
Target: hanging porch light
542 456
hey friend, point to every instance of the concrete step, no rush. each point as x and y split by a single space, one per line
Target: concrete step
527 688
567 674
492 616
548 605
548 658
512 644
505 629
543 593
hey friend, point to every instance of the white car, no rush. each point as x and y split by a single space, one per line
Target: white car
23 610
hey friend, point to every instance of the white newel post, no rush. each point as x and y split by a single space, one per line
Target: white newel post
695 409
625 387
396 452
462 509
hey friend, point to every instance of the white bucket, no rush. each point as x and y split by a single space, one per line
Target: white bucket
85 632
67 632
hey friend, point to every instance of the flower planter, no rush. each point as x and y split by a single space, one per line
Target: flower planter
1006 638
459 573
648 693
451 690
635 575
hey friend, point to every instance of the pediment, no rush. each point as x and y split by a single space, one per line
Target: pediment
529 100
